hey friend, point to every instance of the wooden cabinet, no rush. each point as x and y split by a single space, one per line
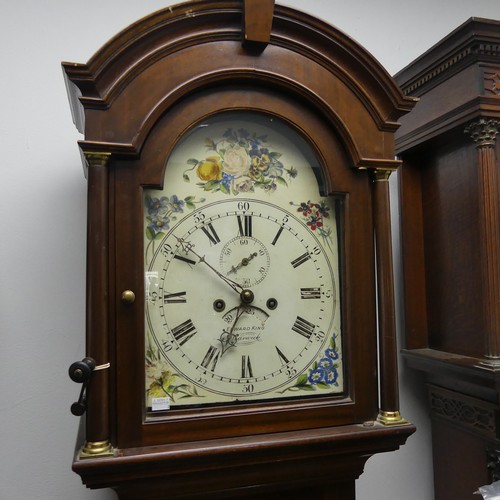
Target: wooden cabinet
450 226
187 403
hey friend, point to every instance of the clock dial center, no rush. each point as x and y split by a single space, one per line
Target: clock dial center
247 296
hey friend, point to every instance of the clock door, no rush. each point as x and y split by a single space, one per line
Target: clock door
234 203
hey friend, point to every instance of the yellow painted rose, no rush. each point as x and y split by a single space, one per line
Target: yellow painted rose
210 169
158 381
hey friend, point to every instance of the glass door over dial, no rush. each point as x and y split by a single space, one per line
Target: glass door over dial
242 277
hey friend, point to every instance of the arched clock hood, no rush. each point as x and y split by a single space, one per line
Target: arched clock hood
142 68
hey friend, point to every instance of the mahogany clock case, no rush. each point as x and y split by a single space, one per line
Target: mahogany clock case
135 100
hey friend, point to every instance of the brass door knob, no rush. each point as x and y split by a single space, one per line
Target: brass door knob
128 297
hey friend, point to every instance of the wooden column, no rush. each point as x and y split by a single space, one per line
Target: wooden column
97 341
483 133
389 400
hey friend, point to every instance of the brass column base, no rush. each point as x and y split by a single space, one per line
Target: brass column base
391 418
490 363
96 449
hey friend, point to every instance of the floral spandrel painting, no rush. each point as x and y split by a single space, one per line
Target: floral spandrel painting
239 162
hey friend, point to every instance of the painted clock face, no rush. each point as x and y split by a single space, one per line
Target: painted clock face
242 269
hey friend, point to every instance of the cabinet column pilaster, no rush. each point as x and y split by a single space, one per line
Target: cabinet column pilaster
97 432
388 370
484 132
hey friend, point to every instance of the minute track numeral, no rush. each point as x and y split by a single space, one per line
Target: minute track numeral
210 233
183 332
300 260
245 225
303 327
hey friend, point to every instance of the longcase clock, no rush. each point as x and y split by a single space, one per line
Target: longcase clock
237 157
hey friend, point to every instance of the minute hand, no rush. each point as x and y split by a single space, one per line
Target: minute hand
235 286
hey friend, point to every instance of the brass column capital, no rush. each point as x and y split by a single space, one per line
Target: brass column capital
381 174
97 159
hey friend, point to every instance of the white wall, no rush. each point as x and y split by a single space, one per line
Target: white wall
42 227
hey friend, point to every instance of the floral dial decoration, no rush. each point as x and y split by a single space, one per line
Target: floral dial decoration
314 215
240 162
161 381
322 374
162 212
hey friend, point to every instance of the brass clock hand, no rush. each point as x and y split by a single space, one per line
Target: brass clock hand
244 262
189 248
229 339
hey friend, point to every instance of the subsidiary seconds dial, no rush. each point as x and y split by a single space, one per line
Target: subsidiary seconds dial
245 299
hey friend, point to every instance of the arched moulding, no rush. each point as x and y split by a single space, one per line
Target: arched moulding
183 49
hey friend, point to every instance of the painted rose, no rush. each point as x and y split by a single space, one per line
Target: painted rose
159 382
236 161
242 185
153 373
210 169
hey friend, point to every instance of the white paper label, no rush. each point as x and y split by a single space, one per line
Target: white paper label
158 404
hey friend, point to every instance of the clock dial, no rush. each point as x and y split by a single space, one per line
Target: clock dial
242 300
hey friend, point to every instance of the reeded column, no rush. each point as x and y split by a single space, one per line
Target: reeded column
484 133
389 397
97 340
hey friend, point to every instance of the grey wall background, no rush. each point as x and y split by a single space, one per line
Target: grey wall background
42 228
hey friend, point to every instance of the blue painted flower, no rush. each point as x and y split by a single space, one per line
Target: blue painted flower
158 224
254 149
229 134
304 208
332 376
332 354
176 205
153 205
316 376
325 364
226 180
323 209
244 134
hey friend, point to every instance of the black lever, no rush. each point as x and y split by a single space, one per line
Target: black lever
81 372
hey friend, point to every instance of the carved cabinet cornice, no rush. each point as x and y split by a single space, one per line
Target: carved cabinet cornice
450 226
